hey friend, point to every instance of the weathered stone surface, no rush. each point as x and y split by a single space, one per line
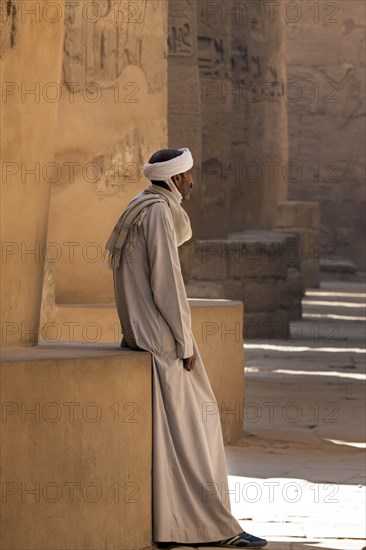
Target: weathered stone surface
266 295
210 261
228 289
242 68
296 281
205 289
303 217
9 26
292 214
308 245
337 266
259 117
102 41
277 248
214 51
31 52
184 106
310 271
76 456
325 62
112 117
246 255
296 290
218 329
266 325
258 260
255 267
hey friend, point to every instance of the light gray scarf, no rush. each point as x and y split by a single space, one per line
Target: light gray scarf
131 220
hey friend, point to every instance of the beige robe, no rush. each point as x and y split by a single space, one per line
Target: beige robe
189 469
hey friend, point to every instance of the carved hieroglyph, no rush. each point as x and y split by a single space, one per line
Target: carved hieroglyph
105 38
9 15
113 116
326 60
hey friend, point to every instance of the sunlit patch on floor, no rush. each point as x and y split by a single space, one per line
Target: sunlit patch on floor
298 349
292 507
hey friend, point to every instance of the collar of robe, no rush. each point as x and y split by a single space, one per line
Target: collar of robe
132 218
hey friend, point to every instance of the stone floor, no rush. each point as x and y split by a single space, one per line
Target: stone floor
297 475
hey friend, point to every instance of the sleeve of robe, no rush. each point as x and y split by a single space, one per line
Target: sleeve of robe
167 283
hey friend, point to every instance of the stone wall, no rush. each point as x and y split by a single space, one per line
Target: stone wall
113 116
31 51
259 268
326 110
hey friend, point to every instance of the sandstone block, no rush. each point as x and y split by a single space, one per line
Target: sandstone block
341 265
268 295
204 289
295 311
229 289
310 247
295 280
266 325
218 329
77 438
293 214
210 260
279 245
310 271
257 260
296 291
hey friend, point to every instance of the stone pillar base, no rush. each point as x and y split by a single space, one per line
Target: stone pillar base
217 326
303 219
76 448
259 268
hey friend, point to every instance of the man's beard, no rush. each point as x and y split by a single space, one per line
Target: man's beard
187 194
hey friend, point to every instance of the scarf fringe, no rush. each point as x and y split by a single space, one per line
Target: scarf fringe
126 226
129 223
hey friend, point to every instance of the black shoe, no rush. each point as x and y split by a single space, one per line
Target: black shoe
243 540
176 544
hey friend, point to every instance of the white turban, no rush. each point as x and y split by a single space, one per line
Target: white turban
163 171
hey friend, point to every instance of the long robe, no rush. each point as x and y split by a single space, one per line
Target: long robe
190 500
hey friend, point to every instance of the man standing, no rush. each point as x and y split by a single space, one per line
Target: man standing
189 469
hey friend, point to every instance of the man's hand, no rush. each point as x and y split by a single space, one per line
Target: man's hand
189 362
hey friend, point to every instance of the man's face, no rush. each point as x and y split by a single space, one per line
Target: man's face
184 184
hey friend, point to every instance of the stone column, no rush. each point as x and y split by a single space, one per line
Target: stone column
244 117
259 144
214 46
31 51
184 107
